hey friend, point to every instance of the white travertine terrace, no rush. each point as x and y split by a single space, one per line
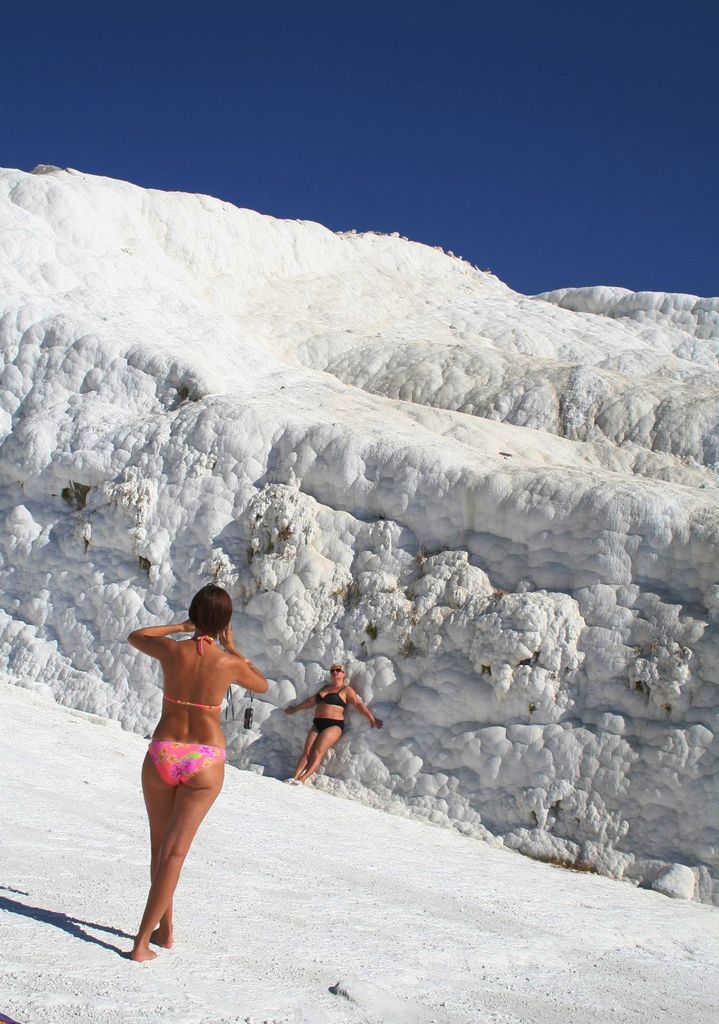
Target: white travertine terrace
499 510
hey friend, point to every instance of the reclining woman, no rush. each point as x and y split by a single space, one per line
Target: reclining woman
328 723
184 768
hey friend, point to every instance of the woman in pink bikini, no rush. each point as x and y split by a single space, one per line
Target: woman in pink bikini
184 769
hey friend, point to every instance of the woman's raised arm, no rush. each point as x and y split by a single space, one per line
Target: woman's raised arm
152 640
248 675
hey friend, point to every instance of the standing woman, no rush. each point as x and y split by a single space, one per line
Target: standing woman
328 723
184 768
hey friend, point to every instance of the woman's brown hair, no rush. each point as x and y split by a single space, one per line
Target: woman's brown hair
210 610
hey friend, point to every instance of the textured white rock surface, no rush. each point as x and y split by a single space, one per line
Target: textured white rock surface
678 881
500 511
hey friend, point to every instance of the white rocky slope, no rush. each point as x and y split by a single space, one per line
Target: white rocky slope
500 512
296 908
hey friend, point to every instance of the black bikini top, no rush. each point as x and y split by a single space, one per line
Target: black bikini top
331 698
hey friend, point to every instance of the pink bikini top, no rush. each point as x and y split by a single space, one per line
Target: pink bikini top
189 703
199 640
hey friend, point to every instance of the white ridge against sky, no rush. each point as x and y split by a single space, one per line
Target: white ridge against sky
381 921
499 510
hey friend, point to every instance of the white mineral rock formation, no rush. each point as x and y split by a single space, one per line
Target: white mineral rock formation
677 881
500 511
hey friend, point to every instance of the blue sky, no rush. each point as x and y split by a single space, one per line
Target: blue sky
556 143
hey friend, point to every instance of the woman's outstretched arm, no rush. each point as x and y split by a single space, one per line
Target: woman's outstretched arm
300 707
357 702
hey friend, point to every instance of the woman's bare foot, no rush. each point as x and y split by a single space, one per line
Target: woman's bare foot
141 953
162 937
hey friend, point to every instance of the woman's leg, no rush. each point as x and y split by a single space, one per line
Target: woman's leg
325 739
159 801
192 802
304 756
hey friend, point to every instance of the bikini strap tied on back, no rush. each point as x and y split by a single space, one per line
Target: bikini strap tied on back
199 640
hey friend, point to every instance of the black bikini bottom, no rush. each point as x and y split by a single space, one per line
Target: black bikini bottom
326 723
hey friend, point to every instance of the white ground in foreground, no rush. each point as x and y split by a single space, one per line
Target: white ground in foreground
288 892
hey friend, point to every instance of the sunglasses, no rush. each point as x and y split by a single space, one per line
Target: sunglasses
333 671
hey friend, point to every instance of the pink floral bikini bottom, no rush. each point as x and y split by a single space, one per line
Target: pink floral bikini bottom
178 762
